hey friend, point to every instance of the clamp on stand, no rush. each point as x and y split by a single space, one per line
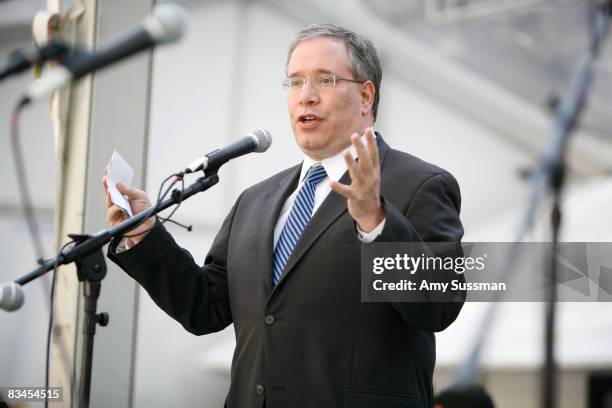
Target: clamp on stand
91 270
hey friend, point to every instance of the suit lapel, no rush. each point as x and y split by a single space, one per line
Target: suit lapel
273 204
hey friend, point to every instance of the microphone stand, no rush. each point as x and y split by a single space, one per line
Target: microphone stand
91 269
549 174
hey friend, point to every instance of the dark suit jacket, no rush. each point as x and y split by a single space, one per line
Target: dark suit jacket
310 342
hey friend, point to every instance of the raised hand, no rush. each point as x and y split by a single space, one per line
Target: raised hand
363 194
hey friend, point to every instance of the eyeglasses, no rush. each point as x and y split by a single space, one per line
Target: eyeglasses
318 81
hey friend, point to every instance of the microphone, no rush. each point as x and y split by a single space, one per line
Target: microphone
258 140
11 296
23 58
165 24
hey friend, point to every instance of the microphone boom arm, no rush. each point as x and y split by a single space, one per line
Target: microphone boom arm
90 243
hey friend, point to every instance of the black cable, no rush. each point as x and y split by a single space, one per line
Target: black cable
50 327
22 183
160 197
168 218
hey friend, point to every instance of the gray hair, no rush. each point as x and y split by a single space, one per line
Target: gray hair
363 59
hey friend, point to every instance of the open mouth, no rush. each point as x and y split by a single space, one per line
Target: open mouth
308 118
308 121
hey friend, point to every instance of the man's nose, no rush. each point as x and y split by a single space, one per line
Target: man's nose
309 94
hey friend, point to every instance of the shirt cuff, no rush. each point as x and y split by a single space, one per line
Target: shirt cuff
366 238
122 246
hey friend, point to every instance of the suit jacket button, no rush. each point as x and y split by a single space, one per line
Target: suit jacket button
269 319
259 389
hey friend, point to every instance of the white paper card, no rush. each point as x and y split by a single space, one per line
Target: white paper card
119 171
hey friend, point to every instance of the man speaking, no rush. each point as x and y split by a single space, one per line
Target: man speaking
285 265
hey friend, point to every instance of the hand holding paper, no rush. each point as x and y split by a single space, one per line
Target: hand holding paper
119 171
122 200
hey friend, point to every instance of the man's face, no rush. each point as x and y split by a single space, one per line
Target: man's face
324 119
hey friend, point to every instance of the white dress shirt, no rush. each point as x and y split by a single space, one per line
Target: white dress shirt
335 167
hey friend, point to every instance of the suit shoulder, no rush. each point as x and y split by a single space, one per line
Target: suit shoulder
407 176
272 182
402 164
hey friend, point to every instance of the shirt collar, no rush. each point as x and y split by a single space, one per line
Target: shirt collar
334 166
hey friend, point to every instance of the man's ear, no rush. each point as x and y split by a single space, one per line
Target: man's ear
367 97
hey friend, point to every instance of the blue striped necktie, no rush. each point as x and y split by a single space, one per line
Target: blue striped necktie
298 218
